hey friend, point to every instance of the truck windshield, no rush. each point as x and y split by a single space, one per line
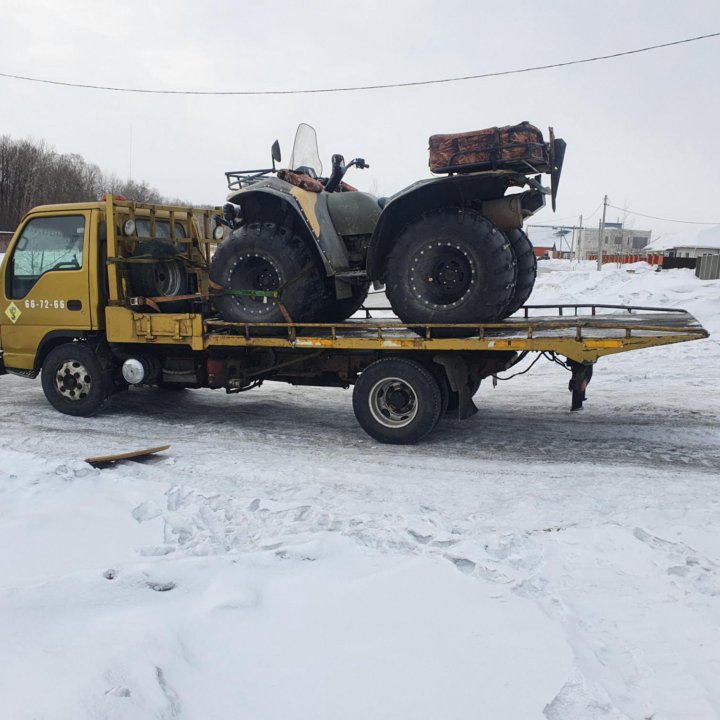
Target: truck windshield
305 150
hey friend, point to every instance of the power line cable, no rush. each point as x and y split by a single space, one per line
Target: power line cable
358 87
654 217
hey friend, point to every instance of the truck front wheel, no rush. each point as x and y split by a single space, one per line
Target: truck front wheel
74 381
397 401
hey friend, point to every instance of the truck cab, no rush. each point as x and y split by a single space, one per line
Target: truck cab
50 290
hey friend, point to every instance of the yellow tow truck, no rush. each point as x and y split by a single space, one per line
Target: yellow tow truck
102 295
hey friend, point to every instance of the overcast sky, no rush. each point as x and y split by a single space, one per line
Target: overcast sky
642 128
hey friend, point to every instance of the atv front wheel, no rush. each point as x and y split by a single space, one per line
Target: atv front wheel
334 310
267 258
450 265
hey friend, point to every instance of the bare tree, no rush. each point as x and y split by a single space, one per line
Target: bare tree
32 173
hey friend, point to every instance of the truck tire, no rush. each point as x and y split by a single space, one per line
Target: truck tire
450 265
164 278
526 270
397 401
334 310
74 381
267 257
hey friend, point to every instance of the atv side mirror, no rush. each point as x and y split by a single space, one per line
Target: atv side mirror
275 152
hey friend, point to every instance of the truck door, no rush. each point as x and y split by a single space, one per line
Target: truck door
46 285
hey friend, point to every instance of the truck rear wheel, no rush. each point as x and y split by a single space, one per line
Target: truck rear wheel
266 257
397 401
450 265
74 381
526 269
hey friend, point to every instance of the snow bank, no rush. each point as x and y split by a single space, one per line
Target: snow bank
527 563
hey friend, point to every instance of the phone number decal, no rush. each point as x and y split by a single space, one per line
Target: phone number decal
45 304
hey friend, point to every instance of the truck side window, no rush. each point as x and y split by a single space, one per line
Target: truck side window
46 244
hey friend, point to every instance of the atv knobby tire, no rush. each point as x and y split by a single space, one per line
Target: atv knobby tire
450 265
334 310
167 277
267 257
526 269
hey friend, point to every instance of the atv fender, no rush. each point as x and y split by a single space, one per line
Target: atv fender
430 194
310 211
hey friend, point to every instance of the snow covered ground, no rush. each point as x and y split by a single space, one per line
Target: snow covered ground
278 563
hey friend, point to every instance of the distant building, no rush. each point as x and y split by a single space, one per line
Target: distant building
544 240
707 242
545 252
617 240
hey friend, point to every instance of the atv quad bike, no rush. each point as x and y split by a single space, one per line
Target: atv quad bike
450 250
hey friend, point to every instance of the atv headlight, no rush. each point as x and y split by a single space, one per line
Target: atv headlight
129 227
219 232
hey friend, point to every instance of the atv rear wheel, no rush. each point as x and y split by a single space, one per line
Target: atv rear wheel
450 265
526 269
268 258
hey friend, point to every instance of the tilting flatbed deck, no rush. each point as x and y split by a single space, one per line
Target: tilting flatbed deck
582 333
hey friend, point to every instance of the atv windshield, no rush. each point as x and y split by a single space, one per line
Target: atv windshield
305 155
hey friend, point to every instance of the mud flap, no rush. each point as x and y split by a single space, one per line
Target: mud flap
581 376
461 382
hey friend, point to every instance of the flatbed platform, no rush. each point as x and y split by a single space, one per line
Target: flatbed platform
579 332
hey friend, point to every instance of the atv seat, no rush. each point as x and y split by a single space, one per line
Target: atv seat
304 182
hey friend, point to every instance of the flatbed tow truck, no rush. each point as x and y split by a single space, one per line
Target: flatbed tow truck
71 311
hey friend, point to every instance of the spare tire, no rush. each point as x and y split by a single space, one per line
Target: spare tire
526 269
267 257
450 265
167 277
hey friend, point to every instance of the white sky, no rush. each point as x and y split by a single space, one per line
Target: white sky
640 128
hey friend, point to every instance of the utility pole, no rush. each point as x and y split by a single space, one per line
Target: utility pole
578 253
600 235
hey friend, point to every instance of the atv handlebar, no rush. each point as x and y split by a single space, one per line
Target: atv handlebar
339 168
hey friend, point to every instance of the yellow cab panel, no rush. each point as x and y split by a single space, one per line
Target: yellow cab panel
47 283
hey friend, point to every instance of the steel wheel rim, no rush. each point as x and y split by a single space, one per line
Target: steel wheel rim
73 382
256 272
443 273
393 402
168 278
